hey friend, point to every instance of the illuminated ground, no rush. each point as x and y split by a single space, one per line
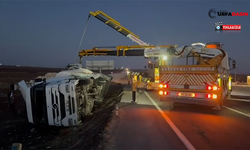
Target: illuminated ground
142 126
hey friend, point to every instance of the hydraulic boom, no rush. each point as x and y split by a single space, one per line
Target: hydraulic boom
116 26
154 51
137 50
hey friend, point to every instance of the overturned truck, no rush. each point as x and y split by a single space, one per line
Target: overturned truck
64 99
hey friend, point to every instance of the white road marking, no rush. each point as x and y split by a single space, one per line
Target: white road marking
171 124
242 100
239 112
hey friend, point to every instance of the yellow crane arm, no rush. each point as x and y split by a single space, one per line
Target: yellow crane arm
116 26
138 50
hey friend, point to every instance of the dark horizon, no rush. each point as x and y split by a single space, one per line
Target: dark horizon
47 33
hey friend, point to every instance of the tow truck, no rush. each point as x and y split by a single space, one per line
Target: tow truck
206 82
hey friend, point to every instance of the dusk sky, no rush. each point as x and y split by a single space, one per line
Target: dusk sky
47 33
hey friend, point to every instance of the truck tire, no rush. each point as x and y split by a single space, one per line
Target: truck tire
176 105
222 102
219 106
222 99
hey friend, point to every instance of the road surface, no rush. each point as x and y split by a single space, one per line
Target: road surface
154 124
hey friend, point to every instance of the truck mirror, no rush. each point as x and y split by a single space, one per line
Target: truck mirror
234 64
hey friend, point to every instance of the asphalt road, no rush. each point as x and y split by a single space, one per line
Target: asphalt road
154 124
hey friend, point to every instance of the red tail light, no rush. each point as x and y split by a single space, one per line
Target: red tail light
212 96
214 88
166 93
163 86
163 92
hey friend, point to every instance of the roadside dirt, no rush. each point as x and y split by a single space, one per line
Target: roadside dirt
16 129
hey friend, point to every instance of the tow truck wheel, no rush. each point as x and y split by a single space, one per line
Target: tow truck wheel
222 102
219 106
176 105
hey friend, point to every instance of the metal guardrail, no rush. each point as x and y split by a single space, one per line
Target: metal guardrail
244 84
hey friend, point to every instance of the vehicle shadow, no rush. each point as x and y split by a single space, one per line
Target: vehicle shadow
193 108
240 97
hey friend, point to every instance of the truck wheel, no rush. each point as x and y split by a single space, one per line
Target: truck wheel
219 106
175 105
222 102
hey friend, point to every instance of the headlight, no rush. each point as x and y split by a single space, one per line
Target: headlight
164 57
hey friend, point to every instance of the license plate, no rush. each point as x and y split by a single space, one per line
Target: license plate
186 94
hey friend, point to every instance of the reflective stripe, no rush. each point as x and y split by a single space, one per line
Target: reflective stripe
135 73
142 85
197 87
152 85
190 79
185 69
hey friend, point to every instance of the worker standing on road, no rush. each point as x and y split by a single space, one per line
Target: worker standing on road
11 97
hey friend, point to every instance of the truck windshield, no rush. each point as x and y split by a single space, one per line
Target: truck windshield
39 105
